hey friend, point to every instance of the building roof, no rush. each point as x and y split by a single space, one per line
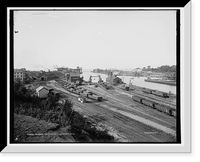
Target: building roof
40 88
19 70
111 78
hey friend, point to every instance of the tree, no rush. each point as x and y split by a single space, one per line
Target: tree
164 68
172 68
17 85
23 90
52 100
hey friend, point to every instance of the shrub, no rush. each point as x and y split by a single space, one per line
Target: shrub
67 107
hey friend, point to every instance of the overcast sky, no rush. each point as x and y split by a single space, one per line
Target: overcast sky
94 39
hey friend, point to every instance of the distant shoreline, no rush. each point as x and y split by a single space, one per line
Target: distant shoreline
161 82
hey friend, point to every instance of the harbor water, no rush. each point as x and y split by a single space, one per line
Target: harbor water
138 81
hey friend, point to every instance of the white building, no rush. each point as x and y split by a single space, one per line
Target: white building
42 92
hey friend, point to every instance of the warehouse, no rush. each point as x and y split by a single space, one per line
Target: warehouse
42 92
74 77
114 80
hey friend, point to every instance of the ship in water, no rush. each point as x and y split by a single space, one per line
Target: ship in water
161 81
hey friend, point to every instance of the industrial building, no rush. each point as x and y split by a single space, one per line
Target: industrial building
73 77
113 79
69 70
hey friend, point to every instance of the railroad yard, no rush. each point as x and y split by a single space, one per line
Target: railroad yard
134 115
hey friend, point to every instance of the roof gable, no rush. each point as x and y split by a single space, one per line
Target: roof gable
41 87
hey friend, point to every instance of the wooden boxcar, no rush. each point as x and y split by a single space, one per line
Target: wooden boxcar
164 108
160 94
158 107
174 113
145 90
137 99
95 97
148 103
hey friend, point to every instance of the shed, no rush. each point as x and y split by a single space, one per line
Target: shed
117 80
42 92
114 80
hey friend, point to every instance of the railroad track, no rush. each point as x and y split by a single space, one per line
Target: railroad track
136 126
150 97
142 112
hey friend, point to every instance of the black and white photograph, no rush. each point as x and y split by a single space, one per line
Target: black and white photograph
95 76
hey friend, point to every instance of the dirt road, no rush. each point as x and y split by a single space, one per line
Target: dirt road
128 120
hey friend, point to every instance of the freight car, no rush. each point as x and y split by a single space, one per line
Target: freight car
76 92
84 94
137 99
166 109
95 97
161 94
148 103
160 107
145 90
174 113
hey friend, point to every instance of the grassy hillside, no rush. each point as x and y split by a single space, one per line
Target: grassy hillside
34 115
29 129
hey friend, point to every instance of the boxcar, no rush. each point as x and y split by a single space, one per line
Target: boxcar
148 103
158 107
167 110
161 94
165 95
98 98
174 113
137 98
145 90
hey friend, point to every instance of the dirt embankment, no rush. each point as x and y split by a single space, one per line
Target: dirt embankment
29 129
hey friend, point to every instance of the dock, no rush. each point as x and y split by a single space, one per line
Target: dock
173 83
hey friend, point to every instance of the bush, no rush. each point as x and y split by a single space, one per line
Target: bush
67 107
84 132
